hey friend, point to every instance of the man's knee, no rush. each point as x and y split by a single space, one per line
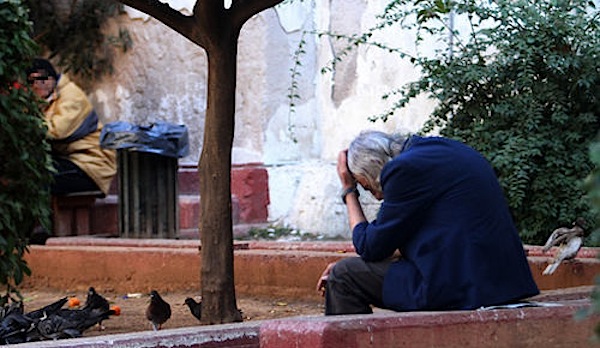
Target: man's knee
344 267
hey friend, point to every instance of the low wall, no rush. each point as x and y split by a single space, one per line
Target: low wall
283 269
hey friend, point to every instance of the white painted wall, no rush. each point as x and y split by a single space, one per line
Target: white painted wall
164 78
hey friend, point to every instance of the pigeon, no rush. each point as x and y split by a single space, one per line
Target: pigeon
70 323
97 303
15 325
195 307
568 240
18 327
15 306
158 311
45 311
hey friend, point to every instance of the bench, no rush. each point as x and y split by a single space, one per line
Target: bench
71 213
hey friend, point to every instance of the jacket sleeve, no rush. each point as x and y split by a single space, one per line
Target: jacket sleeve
67 112
407 197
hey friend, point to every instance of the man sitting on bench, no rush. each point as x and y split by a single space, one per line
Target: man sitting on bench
73 132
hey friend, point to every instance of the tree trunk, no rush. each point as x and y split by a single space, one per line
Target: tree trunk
216 230
215 29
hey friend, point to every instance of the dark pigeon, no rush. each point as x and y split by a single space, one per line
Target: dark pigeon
70 323
97 303
47 310
195 307
158 311
15 326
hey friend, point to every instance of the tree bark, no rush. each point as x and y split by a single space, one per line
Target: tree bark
217 278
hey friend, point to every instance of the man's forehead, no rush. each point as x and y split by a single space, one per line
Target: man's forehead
40 71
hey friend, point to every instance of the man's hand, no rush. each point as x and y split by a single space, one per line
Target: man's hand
322 283
344 173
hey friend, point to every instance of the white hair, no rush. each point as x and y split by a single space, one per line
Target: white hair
370 151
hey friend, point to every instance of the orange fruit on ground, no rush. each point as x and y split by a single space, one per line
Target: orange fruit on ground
117 309
74 302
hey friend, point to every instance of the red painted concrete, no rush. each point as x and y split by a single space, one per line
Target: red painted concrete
279 269
260 273
250 184
531 327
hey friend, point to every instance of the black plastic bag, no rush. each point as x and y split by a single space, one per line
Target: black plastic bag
162 138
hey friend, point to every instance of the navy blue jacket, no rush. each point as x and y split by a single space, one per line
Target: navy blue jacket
446 213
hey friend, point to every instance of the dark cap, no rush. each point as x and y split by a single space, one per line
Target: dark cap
42 64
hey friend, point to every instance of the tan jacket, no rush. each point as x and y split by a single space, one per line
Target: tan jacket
65 115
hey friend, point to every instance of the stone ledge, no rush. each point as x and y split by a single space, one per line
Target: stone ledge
242 335
526 327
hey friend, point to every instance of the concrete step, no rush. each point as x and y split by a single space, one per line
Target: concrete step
271 269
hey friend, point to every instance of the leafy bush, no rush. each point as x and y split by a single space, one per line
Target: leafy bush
592 184
521 86
24 153
74 32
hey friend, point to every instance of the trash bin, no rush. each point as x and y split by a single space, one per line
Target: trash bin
147 165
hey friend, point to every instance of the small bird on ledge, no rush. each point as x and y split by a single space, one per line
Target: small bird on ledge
568 241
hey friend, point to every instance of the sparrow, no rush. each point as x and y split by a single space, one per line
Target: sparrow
158 311
568 240
195 307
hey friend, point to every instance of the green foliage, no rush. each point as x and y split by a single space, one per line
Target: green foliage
24 153
283 233
293 89
73 31
592 184
520 85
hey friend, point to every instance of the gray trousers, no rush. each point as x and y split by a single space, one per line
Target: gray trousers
353 286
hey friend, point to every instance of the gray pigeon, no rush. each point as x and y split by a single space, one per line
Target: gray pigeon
568 241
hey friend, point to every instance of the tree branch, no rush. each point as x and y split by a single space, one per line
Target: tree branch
242 10
209 19
172 18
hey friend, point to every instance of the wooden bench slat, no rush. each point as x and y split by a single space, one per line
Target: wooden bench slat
71 212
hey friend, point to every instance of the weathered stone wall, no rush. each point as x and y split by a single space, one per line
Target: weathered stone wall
163 77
